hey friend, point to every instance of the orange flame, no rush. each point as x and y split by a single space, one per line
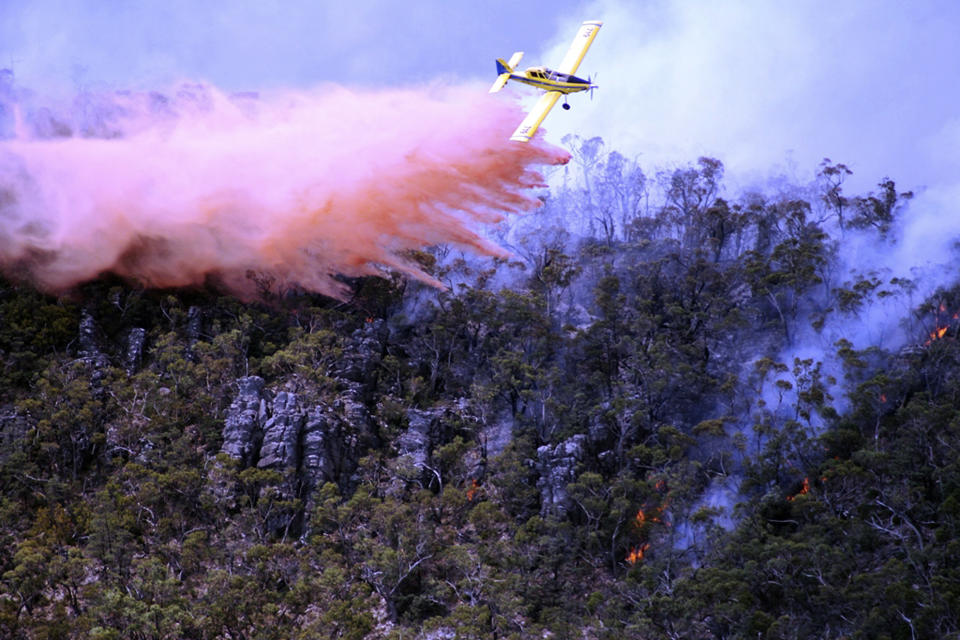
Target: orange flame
636 554
642 518
943 321
472 491
803 491
883 397
936 334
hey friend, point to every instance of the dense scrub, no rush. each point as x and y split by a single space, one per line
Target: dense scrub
592 396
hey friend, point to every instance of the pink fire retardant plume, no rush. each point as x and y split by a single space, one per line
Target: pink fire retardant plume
298 187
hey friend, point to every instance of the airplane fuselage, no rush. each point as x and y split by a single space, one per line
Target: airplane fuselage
554 84
549 80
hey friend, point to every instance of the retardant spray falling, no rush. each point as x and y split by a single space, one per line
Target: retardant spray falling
174 191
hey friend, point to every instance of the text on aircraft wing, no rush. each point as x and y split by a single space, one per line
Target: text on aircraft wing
581 42
530 124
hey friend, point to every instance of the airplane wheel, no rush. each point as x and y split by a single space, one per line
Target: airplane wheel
566 106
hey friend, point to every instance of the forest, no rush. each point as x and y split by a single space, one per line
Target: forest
664 416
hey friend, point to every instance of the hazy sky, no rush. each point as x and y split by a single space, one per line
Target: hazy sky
759 84
262 43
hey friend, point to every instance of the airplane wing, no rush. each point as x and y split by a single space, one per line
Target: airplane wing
581 42
530 124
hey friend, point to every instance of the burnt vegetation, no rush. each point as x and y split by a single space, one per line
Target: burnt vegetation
601 437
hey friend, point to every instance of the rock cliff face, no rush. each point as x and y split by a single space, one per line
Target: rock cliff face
315 460
362 355
280 448
497 434
308 444
96 350
428 429
194 324
90 340
88 336
133 355
243 428
416 442
557 466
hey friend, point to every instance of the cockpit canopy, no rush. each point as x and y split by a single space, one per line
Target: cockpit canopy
542 73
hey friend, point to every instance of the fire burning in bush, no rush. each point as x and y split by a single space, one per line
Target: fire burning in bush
805 489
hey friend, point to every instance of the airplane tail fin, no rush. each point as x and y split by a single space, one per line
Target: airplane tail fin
504 69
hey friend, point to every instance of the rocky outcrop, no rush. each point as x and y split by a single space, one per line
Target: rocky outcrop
280 448
194 324
89 341
428 429
496 434
308 444
345 429
361 354
417 440
317 465
88 336
243 428
557 466
133 354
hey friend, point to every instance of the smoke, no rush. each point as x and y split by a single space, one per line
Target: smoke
295 187
771 89
774 87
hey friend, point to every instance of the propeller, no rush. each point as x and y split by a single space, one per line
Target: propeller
590 82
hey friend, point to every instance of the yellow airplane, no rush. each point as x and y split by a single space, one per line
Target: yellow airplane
556 83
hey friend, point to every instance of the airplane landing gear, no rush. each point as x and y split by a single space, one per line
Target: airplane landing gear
566 106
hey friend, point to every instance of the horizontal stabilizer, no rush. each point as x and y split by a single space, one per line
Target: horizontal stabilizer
504 69
499 82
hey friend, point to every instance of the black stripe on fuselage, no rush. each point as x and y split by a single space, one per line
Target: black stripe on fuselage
551 86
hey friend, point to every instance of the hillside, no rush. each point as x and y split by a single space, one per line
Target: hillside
618 432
